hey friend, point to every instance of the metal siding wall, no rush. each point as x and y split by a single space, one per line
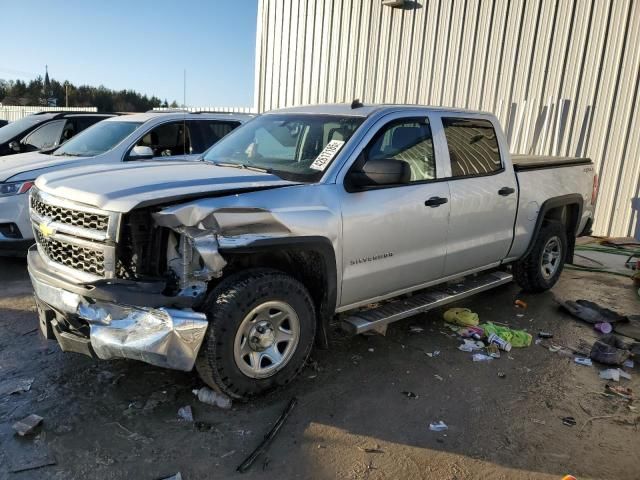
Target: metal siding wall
563 76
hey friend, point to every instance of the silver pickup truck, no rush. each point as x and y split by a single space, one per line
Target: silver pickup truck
236 264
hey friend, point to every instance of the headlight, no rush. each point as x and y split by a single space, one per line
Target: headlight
15 188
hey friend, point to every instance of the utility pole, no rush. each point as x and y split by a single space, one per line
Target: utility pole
66 94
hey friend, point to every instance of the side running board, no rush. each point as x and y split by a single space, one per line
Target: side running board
424 300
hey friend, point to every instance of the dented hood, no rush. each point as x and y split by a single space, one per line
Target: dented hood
125 187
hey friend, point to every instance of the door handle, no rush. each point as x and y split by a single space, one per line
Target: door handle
435 202
505 191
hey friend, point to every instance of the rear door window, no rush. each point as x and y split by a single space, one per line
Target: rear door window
209 132
168 140
46 136
473 147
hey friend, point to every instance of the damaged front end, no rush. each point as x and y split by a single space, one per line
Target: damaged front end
142 306
166 337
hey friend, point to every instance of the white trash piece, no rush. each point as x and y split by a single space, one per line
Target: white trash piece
208 396
438 426
610 374
481 357
583 361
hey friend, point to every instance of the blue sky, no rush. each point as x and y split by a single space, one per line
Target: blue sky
142 45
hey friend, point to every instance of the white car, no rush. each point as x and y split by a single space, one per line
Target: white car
144 136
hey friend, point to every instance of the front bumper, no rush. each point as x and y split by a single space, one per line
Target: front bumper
166 337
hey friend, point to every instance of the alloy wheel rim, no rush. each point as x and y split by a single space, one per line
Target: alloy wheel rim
266 339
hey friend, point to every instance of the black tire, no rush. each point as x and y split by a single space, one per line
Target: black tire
227 306
529 273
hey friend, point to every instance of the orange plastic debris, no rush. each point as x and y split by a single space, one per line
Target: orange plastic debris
521 304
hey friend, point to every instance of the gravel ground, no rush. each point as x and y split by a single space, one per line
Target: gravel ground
118 419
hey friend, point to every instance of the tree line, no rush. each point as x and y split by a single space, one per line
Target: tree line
34 93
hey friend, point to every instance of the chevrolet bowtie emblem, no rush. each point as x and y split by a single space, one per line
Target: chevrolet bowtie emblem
46 230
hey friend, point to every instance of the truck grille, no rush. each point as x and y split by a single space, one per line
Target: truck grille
78 238
72 256
68 216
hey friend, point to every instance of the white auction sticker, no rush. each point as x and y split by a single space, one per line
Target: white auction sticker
324 159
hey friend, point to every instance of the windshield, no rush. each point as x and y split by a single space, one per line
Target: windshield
97 139
295 147
16 128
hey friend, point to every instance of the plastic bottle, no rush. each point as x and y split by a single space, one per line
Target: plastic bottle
208 396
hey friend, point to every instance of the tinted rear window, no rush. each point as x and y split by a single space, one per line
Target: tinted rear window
473 147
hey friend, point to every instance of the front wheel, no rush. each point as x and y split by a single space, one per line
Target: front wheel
261 330
541 268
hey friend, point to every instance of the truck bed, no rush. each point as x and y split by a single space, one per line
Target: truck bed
536 162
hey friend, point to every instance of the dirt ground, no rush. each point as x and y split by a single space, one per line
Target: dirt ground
118 419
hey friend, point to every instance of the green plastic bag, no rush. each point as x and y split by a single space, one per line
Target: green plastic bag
517 338
461 316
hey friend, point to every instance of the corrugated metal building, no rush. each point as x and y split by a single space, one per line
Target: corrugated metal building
562 75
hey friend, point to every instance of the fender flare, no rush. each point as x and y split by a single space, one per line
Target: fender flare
555 202
321 245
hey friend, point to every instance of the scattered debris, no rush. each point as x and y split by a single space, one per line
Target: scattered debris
583 361
228 454
591 312
610 350
481 357
624 392
42 460
517 338
438 426
628 363
545 335
27 425
435 353
177 476
461 316
370 350
499 342
493 350
185 413
569 421
438 377
244 466
369 450
520 303
614 374
409 394
539 422
208 396
15 385
471 345
502 374
603 327
416 329
471 332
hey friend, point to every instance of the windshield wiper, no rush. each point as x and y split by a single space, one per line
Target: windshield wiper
243 167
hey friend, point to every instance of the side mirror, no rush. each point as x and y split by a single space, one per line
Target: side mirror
140 152
15 146
385 171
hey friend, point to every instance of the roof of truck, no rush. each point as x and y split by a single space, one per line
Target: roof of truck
363 110
179 115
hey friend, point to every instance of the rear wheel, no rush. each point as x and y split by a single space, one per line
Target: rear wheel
541 268
261 330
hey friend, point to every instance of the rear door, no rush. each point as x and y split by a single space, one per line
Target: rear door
483 194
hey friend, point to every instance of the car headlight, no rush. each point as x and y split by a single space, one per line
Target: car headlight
15 188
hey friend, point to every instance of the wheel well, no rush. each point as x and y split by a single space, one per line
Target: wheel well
569 216
310 266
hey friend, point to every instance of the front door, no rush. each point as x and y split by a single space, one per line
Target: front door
394 237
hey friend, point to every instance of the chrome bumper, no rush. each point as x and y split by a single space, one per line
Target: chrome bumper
164 337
